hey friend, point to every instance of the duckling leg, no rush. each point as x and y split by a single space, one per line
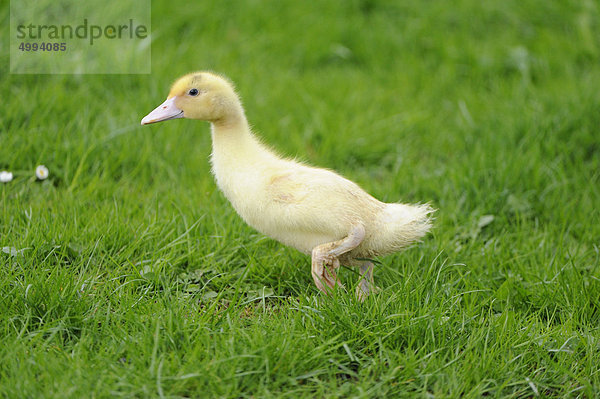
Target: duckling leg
366 282
325 257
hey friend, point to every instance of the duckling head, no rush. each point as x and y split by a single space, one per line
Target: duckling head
200 95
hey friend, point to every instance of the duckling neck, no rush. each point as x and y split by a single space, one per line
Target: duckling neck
234 144
238 158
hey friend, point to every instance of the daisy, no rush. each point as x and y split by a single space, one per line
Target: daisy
41 172
5 176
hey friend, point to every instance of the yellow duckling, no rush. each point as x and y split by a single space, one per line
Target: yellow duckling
313 210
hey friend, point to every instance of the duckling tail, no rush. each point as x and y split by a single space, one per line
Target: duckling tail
401 225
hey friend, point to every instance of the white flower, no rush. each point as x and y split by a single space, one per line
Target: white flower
41 172
5 176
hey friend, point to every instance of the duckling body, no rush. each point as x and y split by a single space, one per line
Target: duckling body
313 210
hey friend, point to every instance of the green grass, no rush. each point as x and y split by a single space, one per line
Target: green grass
133 276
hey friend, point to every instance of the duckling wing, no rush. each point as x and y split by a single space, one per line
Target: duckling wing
317 189
288 188
309 206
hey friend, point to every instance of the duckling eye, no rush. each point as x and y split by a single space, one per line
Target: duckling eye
193 92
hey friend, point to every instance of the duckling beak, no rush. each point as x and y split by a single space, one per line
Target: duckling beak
163 112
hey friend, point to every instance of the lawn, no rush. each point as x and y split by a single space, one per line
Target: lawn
127 273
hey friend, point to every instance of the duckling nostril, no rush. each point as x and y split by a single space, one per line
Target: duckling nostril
164 107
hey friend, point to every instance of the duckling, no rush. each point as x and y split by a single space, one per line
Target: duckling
314 210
